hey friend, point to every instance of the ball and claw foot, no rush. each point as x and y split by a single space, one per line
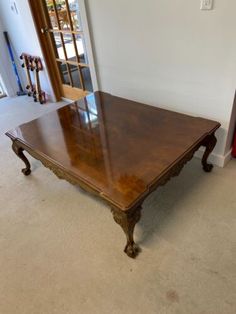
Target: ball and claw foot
209 142
127 220
132 250
26 171
19 152
207 167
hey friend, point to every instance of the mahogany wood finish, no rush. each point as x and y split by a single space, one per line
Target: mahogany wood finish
127 220
19 152
118 149
37 66
209 143
26 64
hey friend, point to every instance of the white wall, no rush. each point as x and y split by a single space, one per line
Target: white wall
232 127
23 36
168 53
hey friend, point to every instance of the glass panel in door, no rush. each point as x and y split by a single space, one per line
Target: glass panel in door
67 38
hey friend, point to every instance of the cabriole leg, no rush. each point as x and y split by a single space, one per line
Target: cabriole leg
209 143
127 220
19 152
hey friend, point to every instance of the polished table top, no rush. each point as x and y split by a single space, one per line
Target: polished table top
116 146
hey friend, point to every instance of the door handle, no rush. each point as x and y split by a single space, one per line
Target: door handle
44 30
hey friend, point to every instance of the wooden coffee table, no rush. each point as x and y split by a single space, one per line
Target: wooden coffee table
118 149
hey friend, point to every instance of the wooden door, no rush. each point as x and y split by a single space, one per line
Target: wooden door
65 48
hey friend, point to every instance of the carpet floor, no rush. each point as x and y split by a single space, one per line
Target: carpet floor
61 251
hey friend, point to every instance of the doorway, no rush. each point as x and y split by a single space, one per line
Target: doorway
64 37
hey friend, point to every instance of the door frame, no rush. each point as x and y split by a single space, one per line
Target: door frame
40 20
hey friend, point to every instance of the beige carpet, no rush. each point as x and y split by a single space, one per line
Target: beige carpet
61 251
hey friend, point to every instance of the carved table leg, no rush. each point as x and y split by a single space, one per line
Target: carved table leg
127 220
209 143
19 152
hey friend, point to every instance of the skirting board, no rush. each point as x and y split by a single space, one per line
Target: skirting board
218 160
